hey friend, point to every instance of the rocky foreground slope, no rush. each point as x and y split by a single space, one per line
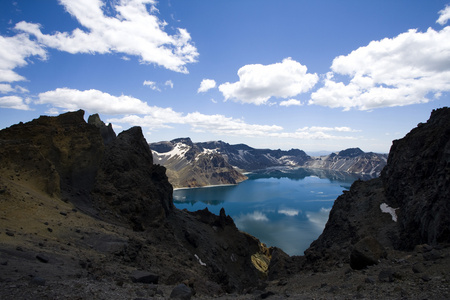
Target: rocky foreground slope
86 215
80 205
199 164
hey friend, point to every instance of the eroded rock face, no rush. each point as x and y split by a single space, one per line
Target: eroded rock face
61 153
417 181
407 206
128 182
106 132
112 181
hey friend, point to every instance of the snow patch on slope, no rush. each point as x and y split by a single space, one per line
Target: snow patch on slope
387 209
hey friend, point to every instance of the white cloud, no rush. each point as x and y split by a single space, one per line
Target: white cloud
391 72
320 128
128 28
220 124
152 85
258 83
317 133
6 88
93 101
139 113
444 15
291 102
206 85
156 118
289 212
169 83
14 102
13 53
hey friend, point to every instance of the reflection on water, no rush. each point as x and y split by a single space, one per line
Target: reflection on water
287 208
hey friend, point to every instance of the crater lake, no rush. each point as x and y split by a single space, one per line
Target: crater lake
286 208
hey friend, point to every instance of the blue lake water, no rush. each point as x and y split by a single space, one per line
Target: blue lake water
286 208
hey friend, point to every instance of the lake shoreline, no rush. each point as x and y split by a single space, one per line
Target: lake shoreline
286 208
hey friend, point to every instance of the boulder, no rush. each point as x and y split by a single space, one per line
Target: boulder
144 277
366 252
181 291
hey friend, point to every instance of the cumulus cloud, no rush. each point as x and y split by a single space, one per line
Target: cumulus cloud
403 70
13 53
321 128
206 85
6 88
169 83
94 101
139 113
258 83
217 124
129 28
444 15
156 118
291 102
152 85
14 102
220 124
318 133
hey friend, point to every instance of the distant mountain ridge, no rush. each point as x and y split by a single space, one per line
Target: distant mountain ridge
190 165
209 163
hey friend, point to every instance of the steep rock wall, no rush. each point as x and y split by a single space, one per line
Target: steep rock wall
407 206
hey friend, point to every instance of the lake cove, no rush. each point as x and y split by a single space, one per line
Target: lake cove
286 208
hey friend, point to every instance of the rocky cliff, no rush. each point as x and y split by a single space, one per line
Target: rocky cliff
75 196
352 160
87 215
198 164
408 205
190 165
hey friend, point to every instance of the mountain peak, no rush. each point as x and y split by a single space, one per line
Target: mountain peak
350 152
185 140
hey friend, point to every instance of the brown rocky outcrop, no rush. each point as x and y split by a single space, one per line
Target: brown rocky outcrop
62 152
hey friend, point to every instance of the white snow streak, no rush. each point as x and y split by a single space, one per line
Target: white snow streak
386 209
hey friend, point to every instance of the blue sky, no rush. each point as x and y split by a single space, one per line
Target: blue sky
313 75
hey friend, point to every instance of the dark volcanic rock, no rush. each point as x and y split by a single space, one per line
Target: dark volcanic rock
351 152
144 277
414 185
198 164
191 165
366 252
113 183
417 180
128 181
106 132
181 291
60 154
